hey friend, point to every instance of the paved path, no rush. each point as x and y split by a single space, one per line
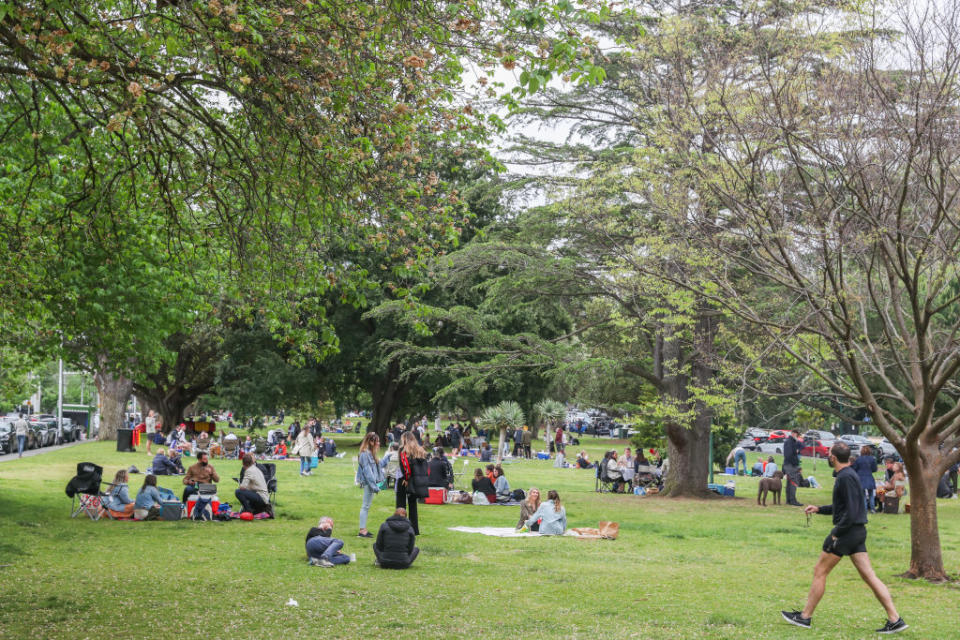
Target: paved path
35 452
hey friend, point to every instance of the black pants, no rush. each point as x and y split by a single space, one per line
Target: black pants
953 479
397 565
792 479
526 451
188 491
251 501
408 502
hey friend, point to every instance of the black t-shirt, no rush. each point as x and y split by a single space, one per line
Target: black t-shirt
483 485
317 531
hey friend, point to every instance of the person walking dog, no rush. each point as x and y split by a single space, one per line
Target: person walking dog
847 538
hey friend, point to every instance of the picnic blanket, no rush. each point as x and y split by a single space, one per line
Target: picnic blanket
510 532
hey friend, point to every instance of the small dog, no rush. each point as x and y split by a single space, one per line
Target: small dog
772 485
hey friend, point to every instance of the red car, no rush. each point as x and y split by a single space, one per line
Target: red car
814 447
779 434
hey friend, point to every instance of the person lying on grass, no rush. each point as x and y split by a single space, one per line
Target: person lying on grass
323 550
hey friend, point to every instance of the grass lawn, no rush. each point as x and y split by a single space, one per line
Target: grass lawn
680 569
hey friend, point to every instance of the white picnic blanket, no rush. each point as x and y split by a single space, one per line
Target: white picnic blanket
509 532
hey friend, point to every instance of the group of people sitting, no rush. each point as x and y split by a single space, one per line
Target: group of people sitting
394 548
490 486
547 518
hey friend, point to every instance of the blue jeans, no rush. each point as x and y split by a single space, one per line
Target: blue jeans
21 443
740 456
327 549
869 496
368 494
304 464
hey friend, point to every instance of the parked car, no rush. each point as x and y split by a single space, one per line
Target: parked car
752 438
771 446
71 431
7 439
886 448
854 441
46 430
816 448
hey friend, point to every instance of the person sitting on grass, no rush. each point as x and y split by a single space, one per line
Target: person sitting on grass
583 461
149 503
492 473
119 502
483 487
551 516
280 451
395 547
252 492
501 486
757 469
770 468
323 550
486 453
162 465
529 507
329 448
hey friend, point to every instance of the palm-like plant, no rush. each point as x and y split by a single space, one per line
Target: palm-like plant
551 412
503 416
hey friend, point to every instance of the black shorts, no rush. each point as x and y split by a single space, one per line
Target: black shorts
853 541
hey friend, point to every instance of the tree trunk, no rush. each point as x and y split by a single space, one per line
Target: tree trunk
114 392
387 394
503 434
689 448
689 454
926 558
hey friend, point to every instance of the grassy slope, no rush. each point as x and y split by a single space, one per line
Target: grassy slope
681 569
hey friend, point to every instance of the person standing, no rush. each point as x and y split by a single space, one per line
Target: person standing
369 477
866 465
412 477
527 441
847 538
21 426
303 447
791 466
150 428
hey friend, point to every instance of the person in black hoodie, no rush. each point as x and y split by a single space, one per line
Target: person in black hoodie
847 538
440 471
395 547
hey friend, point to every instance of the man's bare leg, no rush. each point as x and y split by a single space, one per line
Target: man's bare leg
862 562
824 566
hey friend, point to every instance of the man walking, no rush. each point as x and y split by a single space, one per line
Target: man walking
21 427
847 538
791 466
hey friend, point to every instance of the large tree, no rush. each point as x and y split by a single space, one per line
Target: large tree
837 170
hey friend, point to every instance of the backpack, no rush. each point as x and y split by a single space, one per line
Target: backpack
419 482
202 510
518 495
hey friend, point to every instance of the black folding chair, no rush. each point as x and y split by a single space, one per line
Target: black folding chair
269 471
84 489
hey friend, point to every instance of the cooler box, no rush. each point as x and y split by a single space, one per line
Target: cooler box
729 491
438 495
192 502
543 456
730 471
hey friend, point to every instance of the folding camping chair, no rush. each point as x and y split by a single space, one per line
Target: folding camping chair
603 482
269 471
84 489
231 446
463 470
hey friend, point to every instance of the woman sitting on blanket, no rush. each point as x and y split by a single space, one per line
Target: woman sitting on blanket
501 485
529 507
483 487
551 515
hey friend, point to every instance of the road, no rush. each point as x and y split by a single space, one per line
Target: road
36 452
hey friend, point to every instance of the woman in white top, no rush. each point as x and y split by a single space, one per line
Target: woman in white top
304 448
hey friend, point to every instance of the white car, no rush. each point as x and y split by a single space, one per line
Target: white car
771 446
854 441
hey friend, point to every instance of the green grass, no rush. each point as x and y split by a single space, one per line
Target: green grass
680 569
